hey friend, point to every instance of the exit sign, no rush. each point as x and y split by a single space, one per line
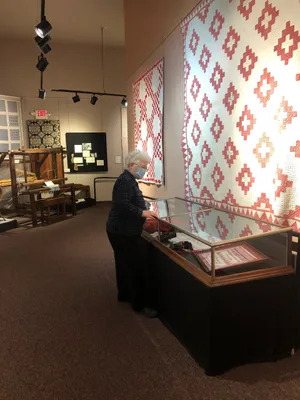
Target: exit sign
41 114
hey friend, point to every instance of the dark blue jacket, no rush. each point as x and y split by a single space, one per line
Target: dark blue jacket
125 216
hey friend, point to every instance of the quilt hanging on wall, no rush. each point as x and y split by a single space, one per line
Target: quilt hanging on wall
43 133
241 137
148 120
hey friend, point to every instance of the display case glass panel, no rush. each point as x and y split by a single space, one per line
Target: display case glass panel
222 243
216 226
175 206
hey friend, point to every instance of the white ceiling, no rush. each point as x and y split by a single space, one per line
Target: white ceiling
72 20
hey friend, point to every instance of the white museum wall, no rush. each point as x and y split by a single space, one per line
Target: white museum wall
156 19
71 67
162 39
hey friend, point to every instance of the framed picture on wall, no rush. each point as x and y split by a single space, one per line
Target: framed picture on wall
86 152
43 133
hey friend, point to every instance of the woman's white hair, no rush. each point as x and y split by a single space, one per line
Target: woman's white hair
134 157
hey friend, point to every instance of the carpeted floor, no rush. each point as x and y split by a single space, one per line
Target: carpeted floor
63 335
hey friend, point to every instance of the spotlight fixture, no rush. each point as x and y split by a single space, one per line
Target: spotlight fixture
124 101
43 43
94 100
76 98
42 63
43 28
42 93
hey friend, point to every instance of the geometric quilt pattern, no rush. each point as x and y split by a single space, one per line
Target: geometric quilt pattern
43 133
148 120
241 135
217 225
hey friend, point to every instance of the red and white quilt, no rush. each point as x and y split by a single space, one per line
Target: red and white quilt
148 120
241 137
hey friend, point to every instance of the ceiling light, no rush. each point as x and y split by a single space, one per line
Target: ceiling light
42 63
42 93
124 102
94 100
43 28
43 43
76 98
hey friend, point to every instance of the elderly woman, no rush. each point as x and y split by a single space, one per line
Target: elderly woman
124 227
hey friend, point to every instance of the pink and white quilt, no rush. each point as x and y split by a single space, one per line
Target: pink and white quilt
148 120
241 137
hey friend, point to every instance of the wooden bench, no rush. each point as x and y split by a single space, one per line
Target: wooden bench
56 203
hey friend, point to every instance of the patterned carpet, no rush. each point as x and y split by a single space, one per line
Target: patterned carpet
63 336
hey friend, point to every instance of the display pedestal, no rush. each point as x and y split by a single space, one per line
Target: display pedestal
228 325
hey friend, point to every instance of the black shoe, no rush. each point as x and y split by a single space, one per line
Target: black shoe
150 312
122 298
137 308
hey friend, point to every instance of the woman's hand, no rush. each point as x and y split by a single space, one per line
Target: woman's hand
148 214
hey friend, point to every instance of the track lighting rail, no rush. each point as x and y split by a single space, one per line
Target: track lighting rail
94 97
88 92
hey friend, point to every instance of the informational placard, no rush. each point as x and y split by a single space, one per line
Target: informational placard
232 256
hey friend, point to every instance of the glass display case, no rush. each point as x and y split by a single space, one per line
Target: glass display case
220 243
224 283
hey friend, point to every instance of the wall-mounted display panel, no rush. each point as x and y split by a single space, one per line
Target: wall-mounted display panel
43 133
86 152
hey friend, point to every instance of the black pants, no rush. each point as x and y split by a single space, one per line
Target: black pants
134 278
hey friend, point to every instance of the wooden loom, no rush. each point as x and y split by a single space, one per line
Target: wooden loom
38 167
